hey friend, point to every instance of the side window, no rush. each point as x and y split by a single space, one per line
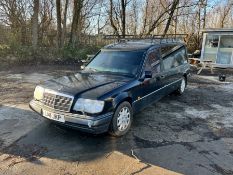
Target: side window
181 56
168 62
175 59
166 49
153 62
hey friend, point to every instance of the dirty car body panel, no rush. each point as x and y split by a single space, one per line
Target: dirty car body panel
137 72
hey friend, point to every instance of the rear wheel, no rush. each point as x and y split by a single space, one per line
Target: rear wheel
121 120
182 86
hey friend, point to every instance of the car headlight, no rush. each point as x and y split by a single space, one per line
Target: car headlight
89 106
39 93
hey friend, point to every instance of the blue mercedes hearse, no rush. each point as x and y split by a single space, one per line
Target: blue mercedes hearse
120 80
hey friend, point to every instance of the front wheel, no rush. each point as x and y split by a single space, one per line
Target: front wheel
182 86
122 119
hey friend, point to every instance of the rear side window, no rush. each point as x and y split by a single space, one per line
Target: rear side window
167 49
153 62
175 59
180 56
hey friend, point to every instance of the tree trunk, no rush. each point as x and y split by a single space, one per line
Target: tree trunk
111 18
176 21
123 8
64 22
23 31
173 8
135 17
35 24
224 15
145 18
75 21
204 17
59 29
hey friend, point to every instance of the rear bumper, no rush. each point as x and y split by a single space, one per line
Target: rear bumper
96 125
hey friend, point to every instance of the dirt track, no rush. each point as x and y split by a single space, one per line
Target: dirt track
188 134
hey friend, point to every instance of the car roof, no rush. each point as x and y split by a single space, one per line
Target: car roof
124 45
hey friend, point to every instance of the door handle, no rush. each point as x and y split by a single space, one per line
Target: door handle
162 76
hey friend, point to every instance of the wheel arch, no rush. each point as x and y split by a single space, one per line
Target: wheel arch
121 98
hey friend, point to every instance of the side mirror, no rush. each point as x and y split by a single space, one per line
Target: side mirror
148 74
82 67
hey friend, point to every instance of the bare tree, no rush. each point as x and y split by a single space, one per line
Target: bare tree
47 33
117 16
35 23
76 21
159 19
14 14
59 29
112 19
172 10
123 9
224 14
47 22
145 17
64 21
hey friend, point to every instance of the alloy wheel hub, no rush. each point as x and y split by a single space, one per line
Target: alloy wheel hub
123 119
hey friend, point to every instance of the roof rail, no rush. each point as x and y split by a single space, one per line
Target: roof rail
152 38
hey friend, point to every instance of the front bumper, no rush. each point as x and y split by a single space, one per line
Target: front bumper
99 124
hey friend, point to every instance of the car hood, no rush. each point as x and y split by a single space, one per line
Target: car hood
86 85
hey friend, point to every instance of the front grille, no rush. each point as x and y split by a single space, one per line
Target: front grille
59 102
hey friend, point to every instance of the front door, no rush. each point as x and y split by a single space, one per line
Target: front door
147 91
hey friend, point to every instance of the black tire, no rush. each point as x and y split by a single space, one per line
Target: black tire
182 86
114 129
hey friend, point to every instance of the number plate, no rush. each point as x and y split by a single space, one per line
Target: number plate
53 116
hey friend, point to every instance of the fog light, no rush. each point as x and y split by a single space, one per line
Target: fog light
222 77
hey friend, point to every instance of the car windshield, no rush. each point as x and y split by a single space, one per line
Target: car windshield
120 62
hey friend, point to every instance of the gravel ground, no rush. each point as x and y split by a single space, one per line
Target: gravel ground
188 134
